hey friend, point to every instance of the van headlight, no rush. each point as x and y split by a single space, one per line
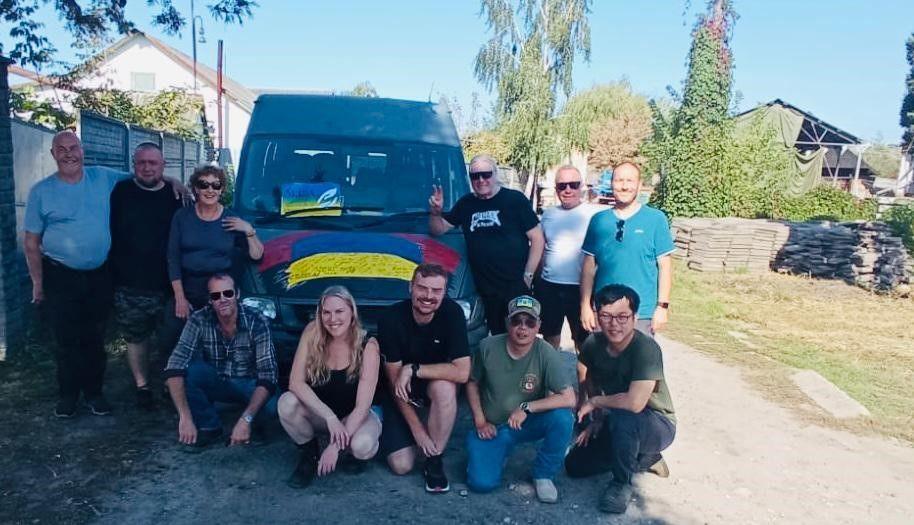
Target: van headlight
267 307
466 307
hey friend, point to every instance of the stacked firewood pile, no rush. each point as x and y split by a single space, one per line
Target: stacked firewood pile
863 253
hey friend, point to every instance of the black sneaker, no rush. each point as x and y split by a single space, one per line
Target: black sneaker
98 405
145 400
66 407
306 469
615 498
205 438
435 480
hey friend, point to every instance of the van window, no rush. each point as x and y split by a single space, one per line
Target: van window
375 178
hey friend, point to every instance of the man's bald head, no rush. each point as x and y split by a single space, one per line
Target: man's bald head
67 151
628 167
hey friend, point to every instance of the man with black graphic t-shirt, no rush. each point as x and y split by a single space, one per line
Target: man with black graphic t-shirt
503 236
424 344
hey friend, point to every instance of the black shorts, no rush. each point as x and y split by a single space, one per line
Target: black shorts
560 301
395 433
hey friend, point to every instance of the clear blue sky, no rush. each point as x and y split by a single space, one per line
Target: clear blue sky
842 60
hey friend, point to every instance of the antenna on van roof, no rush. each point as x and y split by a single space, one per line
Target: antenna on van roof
430 90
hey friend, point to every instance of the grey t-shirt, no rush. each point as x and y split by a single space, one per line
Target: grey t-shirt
72 219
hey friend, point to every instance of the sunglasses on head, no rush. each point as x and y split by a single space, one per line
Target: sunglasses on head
476 175
525 320
619 230
228 294
205 185
560 186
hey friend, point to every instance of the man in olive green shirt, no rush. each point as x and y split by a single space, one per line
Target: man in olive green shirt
631 412
518 392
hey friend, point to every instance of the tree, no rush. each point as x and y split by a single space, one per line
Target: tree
364 89
528 57
907 104
689 149
610 123
91 23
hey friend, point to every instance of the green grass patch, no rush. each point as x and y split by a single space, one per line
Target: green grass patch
859 341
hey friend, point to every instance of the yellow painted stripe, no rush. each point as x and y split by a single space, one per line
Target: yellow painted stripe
363 265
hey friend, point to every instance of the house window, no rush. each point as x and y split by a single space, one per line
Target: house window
142 81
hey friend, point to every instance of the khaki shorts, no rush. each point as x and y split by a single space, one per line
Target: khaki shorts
137 313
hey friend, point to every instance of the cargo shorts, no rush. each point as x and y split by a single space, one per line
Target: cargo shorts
137 313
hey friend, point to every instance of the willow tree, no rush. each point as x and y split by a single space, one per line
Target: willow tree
528 58
608 122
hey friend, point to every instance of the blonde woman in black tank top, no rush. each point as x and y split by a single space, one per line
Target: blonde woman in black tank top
331 388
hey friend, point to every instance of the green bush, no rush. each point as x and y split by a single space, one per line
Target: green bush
823 203
901 219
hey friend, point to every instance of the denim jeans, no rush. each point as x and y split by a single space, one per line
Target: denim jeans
627 443
487 457
204 388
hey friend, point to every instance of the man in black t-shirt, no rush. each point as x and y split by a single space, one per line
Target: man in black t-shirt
503 236
628 404
424 344
141 211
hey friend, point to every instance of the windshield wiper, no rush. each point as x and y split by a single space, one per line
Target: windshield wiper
395 217
323 221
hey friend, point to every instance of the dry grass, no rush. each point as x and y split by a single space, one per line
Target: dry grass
861 342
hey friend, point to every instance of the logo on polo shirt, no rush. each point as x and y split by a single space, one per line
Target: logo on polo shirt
528 383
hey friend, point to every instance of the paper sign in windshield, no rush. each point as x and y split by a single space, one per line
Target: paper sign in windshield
311 199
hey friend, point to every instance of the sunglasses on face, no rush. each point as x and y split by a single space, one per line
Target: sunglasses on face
560 186
619 230
525 320
228 294
205 185
476 175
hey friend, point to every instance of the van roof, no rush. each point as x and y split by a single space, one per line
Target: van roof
345 116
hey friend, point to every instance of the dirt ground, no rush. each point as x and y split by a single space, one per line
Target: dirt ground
737 458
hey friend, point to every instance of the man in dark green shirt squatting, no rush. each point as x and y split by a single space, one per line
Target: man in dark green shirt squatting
518 393
631 412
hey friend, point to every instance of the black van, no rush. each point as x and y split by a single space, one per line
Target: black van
337 188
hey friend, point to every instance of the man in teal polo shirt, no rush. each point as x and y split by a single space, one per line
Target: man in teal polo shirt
630 245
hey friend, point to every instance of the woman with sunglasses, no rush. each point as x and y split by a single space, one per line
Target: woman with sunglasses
205 239
331 388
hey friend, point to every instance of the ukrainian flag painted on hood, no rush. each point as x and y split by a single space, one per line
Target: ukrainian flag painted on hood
317 255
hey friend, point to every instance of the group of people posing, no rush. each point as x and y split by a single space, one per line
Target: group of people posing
96 237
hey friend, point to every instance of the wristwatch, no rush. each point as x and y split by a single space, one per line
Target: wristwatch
248 418
415 367
525 407
253 233
665 306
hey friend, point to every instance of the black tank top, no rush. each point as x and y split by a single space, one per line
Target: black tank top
337 393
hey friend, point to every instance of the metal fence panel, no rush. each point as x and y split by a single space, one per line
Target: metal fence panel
171 148
104 141
110 142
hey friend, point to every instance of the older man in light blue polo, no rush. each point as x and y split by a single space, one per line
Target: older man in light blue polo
67 239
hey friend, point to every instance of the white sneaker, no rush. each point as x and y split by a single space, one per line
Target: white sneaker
546 491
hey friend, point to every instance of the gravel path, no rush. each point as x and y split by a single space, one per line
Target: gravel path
737 459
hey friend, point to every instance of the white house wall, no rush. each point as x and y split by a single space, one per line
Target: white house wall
140 56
